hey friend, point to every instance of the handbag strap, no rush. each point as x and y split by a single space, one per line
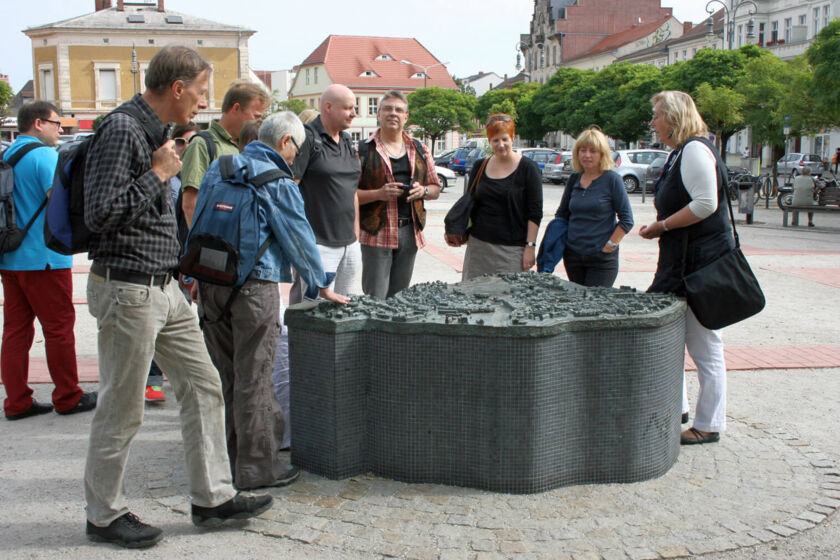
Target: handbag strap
474 184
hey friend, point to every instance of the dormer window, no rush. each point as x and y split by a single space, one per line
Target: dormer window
384 56
368 74
420 75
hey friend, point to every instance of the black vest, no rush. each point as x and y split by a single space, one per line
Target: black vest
684 250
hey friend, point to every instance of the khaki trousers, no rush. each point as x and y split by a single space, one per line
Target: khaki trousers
136 324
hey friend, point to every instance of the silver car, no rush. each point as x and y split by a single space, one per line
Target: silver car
557 171
793 164
632 166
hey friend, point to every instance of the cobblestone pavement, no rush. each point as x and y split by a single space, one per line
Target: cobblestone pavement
757 485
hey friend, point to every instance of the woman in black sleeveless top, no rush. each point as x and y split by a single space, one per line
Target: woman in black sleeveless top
693 230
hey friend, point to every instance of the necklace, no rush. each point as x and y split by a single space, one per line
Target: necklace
400 153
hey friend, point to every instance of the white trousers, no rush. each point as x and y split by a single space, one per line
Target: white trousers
345 262
706 349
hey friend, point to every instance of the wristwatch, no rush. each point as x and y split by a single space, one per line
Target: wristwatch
530 244
612 245
425 192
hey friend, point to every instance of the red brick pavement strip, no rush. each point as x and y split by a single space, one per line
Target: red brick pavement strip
827 276
738 358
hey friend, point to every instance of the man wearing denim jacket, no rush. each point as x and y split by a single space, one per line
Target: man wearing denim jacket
242 342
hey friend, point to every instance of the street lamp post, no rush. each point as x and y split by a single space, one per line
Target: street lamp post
521 47
424 68
729 19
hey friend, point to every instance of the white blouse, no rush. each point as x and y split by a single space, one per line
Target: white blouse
699 175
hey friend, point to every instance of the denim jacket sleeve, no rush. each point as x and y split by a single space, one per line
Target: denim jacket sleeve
294 235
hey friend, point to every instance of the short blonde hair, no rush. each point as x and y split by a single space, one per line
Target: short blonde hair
680 115
593 138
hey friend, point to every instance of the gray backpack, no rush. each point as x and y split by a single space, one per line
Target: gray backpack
11 236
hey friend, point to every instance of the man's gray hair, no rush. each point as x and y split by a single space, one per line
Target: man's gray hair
278 125
395 94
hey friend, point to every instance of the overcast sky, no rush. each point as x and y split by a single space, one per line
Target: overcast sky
470 36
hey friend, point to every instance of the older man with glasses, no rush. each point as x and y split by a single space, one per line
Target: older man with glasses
397 176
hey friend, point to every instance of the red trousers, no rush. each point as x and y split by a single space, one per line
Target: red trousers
47 295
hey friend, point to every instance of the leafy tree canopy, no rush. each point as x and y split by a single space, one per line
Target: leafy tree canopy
495 96
435 111
824 56
6 95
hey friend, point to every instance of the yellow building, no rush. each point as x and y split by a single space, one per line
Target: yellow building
90 64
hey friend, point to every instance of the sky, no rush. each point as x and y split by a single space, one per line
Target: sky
469 36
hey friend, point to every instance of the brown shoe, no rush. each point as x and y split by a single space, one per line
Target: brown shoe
693 436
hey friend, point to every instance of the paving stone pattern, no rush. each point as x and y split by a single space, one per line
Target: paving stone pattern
757 485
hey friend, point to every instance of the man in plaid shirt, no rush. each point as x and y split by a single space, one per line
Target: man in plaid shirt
140 312
397 176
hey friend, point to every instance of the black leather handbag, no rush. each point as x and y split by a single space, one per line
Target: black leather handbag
724 291
457 221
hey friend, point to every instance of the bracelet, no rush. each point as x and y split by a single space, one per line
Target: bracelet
665 226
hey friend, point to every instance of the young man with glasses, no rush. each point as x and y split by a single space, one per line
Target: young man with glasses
397 176
38 282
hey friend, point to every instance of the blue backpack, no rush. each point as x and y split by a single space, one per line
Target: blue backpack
223 243
65 230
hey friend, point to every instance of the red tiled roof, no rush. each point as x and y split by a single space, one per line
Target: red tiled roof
622 38
346 57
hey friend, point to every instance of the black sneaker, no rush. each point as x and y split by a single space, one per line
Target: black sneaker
238 507
126 531
34 410
289 475
87 402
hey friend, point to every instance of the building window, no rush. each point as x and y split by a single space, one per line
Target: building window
356 137
46 83
761 34
356 108
826 14
105 40
106 84
803 19
151 41
788 25
816 20
685 55
307 77
373 106
694 52
315 73
200 42
774 31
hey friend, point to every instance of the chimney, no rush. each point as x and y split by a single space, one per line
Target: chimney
687 25
102 5
121 5
160 6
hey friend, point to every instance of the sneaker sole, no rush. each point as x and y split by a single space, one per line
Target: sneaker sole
93 537
213 522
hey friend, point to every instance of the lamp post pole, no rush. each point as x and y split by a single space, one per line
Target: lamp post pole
729 19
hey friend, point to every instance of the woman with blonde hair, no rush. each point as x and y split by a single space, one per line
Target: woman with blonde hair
692 224
507 209
598 212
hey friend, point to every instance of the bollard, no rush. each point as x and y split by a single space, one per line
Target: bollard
746 199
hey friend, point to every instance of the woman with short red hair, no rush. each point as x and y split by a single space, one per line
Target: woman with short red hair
507 206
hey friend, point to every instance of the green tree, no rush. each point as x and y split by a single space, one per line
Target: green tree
97 121
463 87
562 99
721 108
824 56
529 123
621 102
293 105
6 95
435 111
505 106
497 96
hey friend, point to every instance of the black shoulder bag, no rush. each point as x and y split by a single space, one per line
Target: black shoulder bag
457 221
724 291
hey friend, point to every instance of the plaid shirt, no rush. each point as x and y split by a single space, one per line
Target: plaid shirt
127 207
389 236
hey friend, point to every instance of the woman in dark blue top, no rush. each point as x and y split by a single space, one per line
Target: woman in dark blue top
597 209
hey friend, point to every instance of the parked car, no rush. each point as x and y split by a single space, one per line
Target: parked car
632 166
446 177
541 156
792 164
654 171
557 172
458 163
82 135
444 158
474 155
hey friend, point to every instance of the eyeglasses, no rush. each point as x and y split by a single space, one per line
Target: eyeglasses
295 144
503 118
56 123
180 141
398 109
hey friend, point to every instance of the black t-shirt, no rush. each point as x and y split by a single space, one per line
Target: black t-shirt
503 207
402 174
329 176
